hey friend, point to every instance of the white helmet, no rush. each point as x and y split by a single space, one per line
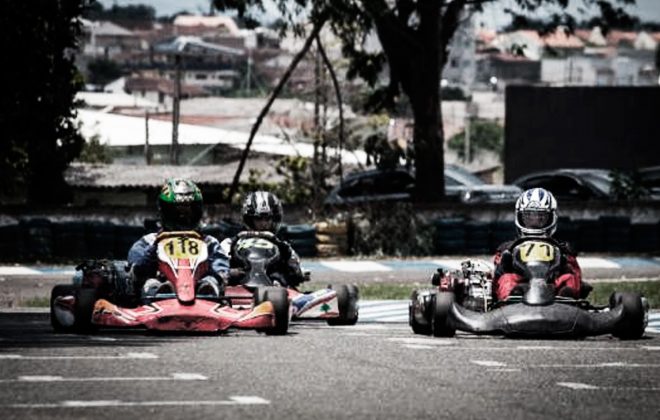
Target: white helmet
536 213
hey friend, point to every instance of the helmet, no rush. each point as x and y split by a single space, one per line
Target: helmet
180 205
536 213
261 206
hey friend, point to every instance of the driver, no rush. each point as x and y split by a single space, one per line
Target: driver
262 211
536 216
180 209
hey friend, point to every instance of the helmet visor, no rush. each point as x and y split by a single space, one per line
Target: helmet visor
181 216
535 219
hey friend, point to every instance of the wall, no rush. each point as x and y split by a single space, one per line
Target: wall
573 127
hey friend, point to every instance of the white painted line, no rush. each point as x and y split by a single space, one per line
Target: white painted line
418 347
236 400
576 385
17 271
355 266
426 341
49 378
120 356
396 318
598 365
650 348
488 363
504 370
595 262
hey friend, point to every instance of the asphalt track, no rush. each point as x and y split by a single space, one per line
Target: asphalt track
371 371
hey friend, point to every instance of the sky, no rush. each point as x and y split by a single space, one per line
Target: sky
493 16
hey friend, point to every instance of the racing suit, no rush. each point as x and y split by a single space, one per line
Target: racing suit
143 259
288 265
568 281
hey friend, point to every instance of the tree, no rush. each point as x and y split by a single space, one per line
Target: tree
39 137
103 71
415 37
485 135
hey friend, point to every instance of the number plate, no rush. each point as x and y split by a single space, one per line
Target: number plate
254 243
182 248
535 251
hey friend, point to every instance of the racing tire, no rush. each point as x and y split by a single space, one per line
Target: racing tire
347 297
440 309
83 309
280 300
61 290
422 329
633 323
259 295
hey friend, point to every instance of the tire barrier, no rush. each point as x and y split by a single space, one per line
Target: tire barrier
302 239
450 237
39 239
331 239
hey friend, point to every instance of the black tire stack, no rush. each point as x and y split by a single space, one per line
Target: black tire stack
302 239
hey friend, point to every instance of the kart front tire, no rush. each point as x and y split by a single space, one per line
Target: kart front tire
83 309
58 291
280 300
347 297
440 309
632 325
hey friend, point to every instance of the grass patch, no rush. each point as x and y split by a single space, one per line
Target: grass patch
35 302
650 289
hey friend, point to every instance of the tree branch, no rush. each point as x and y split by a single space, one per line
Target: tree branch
449 24
335 84
285 77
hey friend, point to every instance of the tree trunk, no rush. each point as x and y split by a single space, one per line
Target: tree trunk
424 94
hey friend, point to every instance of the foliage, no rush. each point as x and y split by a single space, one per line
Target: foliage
132 13
627 185
95 152
415 38
393 229
296 188
102 71
484 135
40 138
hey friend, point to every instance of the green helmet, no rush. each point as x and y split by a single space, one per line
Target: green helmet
180 205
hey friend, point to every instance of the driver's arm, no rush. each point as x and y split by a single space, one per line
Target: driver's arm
143 256
218 258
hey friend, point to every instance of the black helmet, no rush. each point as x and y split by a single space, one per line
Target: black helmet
180 205
262 205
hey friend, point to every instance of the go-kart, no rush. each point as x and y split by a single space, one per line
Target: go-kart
463 301
182 258
258 253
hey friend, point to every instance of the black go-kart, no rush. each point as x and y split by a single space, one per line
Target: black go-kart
464 301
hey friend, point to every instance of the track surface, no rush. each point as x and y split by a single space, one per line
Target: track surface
365 371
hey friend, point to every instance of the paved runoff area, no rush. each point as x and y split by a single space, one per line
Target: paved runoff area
371 370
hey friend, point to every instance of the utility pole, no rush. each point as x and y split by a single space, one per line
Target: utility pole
174 150
147 150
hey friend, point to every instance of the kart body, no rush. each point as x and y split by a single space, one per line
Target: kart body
464 301
259 254
182 261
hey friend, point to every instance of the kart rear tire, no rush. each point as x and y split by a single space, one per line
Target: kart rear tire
259 295
60 290
347 304
632 325
440 309
280 300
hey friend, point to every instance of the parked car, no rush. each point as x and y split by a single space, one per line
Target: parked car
397 185
587 184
